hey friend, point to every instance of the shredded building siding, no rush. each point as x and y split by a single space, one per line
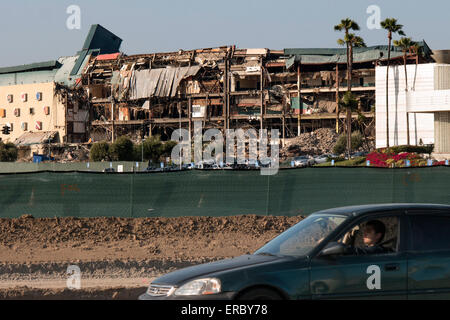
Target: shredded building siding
163 82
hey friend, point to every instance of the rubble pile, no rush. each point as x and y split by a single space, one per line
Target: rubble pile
320 141
71 154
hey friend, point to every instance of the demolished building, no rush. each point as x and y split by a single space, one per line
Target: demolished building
229 88
101 93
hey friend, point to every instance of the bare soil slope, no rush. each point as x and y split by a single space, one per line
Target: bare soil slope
118 256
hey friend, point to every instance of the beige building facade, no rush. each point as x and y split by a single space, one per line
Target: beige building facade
32 108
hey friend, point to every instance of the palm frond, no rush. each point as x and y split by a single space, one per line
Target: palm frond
404 43
354 40
391 25
346 24
341 42
359 42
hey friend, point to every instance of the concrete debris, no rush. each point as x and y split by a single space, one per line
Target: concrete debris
317 142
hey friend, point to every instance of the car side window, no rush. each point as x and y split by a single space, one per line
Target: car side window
430 233
357 238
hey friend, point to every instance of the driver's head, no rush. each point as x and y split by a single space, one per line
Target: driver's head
373 232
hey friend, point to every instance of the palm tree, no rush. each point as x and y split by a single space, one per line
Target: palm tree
391 25
405 44
350 40
347 25
417 49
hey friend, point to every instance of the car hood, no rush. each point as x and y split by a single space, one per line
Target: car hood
181 276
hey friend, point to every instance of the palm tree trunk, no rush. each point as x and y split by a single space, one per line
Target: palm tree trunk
387 91
349 67
406 72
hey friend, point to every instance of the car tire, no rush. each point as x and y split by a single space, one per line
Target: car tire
260 294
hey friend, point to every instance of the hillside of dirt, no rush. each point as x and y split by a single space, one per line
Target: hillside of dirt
118 257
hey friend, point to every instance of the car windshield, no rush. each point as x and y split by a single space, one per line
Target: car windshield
300 239
301 158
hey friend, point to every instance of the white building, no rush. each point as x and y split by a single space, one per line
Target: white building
426 101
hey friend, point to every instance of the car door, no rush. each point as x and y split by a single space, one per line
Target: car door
372 276
429 256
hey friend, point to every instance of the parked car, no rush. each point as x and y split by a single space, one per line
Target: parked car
172 168
333 156
153 169
311 260
205 164
253 164
188 166
237 166
227 166
216 166
303 161
109 170
321 159
359 154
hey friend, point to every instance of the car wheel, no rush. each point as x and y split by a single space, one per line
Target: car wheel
260 294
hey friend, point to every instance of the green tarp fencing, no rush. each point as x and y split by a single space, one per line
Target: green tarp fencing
216 192
16 167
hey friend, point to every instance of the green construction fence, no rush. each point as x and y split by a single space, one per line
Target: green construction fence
216 192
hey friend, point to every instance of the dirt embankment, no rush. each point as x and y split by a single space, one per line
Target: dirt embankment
118 256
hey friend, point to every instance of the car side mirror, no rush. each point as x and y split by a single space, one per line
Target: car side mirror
332 249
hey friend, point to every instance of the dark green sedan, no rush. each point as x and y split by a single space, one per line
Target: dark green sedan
382 251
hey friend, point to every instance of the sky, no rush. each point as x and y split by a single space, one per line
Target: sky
36 30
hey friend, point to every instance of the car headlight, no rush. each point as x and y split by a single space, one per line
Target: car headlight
199 287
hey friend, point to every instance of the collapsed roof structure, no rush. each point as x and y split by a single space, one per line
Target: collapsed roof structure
227 87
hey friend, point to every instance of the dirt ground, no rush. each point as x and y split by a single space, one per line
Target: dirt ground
118 257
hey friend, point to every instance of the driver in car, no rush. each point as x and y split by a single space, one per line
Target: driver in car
373 234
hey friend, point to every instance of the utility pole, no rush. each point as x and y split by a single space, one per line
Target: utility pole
190 119
225 97
112 116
